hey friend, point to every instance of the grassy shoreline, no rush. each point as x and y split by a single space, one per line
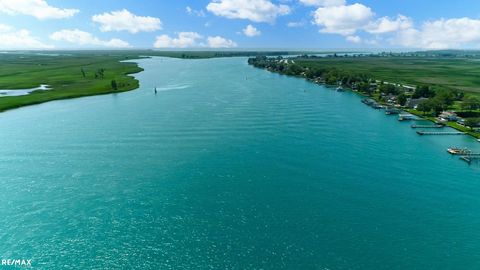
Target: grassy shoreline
74 74
453 125
419 114
69 77
299 74
88 73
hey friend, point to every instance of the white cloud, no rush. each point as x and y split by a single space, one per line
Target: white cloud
124 20
19 39
82 38
441 34
191 11
347 20
39 9
192 40
5 28
251 31
354 39
323 3
220 42
253 10
343 20
295 24
387 25
184 40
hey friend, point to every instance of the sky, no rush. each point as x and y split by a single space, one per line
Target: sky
249 24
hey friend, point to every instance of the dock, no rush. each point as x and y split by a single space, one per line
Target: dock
440 133
406 117
471 157
427 126
390 111
372 103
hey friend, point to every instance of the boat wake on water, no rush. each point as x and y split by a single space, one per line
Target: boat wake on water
173 87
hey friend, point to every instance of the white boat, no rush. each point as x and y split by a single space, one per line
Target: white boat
458 151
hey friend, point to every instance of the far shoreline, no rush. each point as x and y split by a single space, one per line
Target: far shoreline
463 129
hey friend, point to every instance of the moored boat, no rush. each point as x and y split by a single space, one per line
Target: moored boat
457 151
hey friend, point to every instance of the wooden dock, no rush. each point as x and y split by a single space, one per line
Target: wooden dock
440 133
427 126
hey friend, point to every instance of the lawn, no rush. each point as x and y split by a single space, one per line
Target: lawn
64 75
452 73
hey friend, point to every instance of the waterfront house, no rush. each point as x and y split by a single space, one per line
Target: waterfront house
412 103
449 116
446 116
391 98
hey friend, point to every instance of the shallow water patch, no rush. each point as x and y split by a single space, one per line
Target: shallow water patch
23 92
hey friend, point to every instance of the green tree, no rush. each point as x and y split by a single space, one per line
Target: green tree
472 122
445 97
437 105
423 91
365 88
424 106
114 85
100 73
470 103
402 99
388 89
294 69
331 79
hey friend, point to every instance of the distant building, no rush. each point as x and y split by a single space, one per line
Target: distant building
409 88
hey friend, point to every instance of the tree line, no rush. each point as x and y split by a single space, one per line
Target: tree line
436 99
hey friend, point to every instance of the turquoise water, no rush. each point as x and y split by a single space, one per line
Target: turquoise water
231 167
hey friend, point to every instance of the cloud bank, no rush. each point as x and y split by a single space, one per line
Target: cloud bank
124 20
192 40
39 9
83 38
253 10
12 39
